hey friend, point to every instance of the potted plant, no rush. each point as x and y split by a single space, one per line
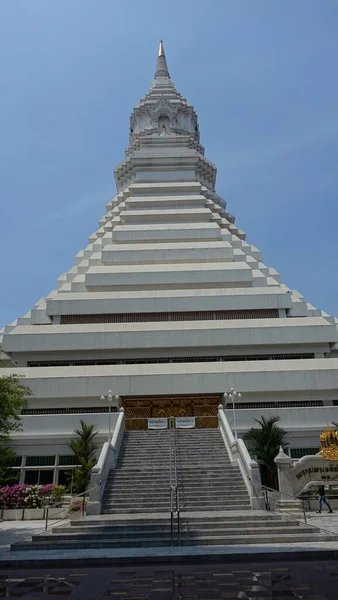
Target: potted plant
76 508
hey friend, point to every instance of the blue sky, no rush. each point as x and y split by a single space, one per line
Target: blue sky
262 75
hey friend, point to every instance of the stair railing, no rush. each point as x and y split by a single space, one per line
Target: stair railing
174 492
268 491
178 516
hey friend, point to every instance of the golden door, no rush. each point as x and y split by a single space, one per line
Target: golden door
203 408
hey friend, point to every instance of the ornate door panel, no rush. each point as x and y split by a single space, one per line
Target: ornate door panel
204 408
206 412
137 413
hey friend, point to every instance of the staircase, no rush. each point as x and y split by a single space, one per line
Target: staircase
214 502
141 481
207 480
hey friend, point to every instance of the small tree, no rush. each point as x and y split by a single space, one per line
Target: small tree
264 442
13 396
7 461
84 450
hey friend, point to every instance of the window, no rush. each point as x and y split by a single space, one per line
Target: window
219 315
287 404
299 452
67 459
149 361
36 477
40 461
65 477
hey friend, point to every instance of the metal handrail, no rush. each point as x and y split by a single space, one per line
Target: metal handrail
83 507
174 491
173 476
173 483
267 489
178 516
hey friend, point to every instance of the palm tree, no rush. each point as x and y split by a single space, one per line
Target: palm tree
264 443
84 450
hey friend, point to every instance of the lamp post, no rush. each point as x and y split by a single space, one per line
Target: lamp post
110 401
233 396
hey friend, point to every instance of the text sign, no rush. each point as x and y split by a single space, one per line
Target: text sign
158 423
185 422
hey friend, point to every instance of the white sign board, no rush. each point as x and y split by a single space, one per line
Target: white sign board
185 422
158 423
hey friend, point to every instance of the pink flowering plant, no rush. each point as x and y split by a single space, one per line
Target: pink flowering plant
77 506
31 496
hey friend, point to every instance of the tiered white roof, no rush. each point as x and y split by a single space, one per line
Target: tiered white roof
168 275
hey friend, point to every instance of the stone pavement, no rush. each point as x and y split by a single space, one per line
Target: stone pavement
18 531
254 581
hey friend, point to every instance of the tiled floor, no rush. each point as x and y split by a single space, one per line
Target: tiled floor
284 581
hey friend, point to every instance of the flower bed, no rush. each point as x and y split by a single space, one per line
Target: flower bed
31 496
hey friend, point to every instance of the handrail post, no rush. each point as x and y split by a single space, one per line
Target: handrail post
171 517
46 523
174 494
267 503
171 482
304 511
178 517
283 495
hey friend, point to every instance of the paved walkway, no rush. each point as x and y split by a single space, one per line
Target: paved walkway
18 531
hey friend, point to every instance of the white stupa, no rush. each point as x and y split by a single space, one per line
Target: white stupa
169 306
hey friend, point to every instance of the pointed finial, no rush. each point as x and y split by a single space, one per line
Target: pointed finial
161 67
161 49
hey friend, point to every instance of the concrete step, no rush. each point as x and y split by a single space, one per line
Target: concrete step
151 464
79 544
246 524
130 510
148 531
127 474
198 520
186 540
221 496
122 479
135 498
183 483
278 538
214 506
211 485
146 493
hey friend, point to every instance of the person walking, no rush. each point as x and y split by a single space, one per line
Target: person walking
323 498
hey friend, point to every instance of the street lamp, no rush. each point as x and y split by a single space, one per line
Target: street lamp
233 396
110 401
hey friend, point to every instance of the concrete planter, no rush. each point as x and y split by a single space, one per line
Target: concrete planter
57 512
74 516
12 514
33 514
